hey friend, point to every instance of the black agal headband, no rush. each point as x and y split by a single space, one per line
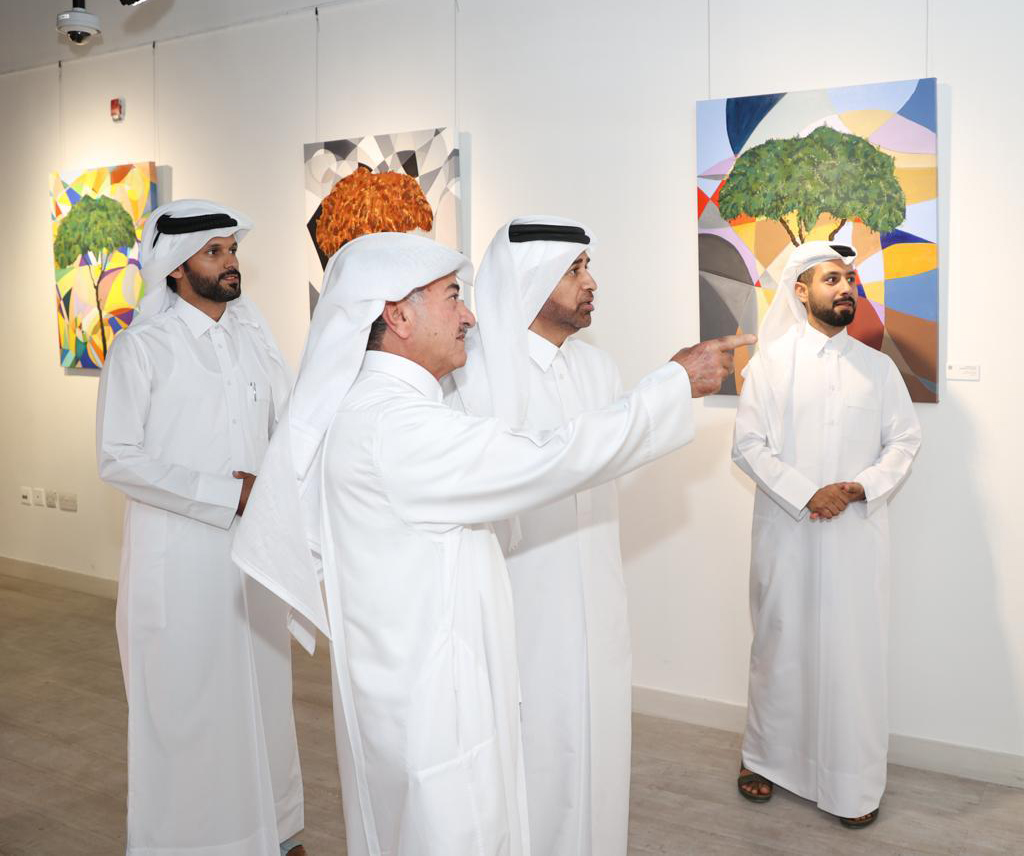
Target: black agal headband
170 225
520 233
843 250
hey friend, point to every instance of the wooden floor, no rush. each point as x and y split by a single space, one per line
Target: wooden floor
62 764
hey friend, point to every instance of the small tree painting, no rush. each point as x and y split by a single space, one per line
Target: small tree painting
856 165
98 217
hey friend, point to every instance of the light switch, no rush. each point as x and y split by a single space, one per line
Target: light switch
39 497
67 501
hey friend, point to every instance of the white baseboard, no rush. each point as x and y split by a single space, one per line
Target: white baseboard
73 580
1001 768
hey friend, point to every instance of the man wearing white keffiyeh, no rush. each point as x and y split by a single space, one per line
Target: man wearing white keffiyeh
391 492
188 397
533 292
826 429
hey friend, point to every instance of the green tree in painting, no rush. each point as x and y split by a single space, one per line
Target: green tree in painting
93 229
797 180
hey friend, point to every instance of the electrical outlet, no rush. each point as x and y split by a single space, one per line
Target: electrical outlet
39 497
67 501
26 495
51 499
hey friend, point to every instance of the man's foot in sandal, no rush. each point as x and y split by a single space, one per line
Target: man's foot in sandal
859 822
753 786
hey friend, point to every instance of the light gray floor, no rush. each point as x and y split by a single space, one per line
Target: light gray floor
62 763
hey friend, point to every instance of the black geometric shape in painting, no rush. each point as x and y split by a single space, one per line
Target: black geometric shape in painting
311 226
407 159
716 255
341 148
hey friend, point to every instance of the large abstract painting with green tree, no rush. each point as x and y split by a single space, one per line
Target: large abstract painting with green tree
855 165
97 217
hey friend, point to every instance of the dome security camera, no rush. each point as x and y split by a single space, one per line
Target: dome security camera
77 24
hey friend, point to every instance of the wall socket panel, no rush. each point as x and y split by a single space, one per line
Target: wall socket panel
67 501
51 499
26 495
39 497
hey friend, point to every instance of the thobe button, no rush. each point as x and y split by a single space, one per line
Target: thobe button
234 421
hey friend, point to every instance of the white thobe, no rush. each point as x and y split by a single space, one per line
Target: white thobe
816 411
213 764
572 628
419 600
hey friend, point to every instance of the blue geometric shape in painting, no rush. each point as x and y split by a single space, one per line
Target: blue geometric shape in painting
921 107
898 236
914 295
742 115
876 96
712 141
73 196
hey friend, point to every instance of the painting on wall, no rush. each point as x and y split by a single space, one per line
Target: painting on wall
856 165
97 217
406 182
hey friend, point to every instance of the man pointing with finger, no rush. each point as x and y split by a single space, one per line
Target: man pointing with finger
826 429
418 603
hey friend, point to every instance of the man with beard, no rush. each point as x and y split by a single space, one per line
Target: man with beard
524 365
188 398
826 429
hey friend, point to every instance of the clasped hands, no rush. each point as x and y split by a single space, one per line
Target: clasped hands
831 500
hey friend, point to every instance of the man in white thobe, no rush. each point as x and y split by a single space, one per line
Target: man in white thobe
533 292
418 603
188 397
826 429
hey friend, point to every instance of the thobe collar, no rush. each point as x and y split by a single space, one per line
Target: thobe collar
197 321
819 342
405 370
542 352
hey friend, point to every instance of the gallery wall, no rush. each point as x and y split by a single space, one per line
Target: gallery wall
583 108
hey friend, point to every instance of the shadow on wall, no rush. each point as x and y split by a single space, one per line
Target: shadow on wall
674 483
952 674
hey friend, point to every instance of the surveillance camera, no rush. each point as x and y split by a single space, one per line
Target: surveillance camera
78 25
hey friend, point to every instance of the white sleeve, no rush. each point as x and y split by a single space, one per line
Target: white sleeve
442 467
787 486
901 438
121 412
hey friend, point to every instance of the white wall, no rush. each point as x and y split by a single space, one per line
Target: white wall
584 109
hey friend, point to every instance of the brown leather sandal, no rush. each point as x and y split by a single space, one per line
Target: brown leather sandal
859 822
754 779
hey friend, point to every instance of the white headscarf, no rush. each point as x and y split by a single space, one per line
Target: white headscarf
279 533
786 310
160 253
772 372
514 281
